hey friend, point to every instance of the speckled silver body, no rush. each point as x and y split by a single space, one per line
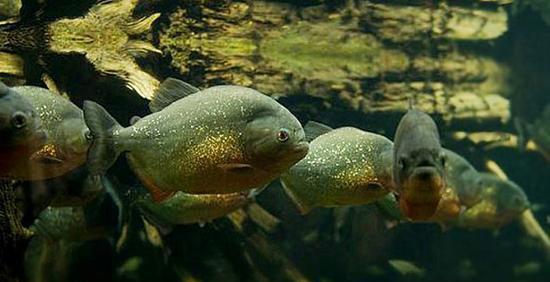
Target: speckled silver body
345 166
66 141
184 146
184 208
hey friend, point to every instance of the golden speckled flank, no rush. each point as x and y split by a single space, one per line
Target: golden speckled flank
214 150
357 177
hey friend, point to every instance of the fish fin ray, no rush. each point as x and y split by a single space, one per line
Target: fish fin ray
253 193
169 91
102 153
164 228
315 129
302 207
134 119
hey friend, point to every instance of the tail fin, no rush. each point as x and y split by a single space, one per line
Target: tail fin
102 154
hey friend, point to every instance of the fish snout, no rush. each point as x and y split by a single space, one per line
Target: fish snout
301 149
428 177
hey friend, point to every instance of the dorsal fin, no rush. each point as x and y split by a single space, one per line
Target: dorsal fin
134 119
412 102
171 90
315 129
4 89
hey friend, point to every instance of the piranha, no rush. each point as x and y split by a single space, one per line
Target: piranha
94 220
470 199
418 167
499 203
184 208
68 136
344 166
461 189
21 132
219 140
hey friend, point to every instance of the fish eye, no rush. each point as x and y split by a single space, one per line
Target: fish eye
283 135
19 120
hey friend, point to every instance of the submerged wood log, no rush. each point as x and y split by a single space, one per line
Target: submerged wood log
344 59
104 37
11 64
441 21
9 8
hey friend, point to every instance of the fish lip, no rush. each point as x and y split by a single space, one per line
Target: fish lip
301 147
426 172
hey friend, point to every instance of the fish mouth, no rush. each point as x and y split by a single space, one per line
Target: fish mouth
427 174
301 149
418 211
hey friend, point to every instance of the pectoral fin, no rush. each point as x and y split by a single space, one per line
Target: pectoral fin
301 205
235 167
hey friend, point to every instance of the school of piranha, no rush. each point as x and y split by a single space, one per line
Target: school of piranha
204 153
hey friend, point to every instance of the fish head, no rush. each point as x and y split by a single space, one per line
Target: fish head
74 138
20 125
422 181
508 199
275 140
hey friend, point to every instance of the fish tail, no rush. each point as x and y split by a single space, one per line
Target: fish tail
103 152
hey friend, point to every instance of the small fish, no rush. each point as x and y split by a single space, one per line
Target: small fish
500 202
79 223
183 208
461 188
21 132
68 136
419 163
345 166
223 139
